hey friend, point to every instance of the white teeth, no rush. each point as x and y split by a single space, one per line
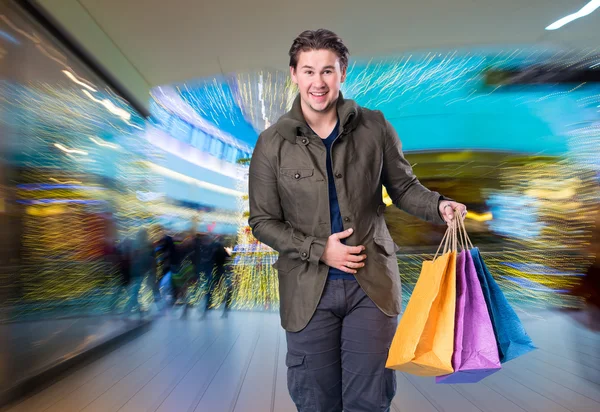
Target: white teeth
318 94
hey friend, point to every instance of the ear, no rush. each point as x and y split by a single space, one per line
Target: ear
344 72
293 75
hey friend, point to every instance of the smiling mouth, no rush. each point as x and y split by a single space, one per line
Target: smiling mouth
318 94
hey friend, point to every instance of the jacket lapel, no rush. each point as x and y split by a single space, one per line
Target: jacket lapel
293 124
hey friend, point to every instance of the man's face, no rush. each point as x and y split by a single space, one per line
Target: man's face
319 77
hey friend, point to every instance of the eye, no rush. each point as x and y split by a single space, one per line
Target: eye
328 71
309 72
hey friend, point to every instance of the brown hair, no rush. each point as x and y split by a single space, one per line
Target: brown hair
321 39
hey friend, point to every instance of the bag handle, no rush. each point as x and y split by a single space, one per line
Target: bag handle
461 222
461 232
449 241
444 242
456 234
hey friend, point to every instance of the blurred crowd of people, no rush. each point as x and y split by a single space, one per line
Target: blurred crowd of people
176 267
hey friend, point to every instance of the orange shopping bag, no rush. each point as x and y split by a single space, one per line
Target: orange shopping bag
424 341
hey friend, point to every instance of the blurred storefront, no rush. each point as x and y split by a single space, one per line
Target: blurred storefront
72 158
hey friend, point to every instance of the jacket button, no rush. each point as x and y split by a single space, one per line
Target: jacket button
338 175
304 141
297 175
346 219
304 254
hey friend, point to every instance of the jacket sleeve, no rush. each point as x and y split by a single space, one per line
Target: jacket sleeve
266 216
402 185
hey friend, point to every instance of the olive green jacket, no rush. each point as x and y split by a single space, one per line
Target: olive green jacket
289 204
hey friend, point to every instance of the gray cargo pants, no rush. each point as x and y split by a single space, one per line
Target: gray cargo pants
337 363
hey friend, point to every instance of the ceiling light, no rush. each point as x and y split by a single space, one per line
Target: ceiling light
76 80
190 180
123 114
585 10
70 151
103 143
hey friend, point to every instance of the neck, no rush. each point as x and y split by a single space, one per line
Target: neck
320 119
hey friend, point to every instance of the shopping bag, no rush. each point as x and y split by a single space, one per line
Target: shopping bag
511 338
475 351
424 340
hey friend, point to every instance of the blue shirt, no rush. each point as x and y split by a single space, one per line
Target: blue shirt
334 207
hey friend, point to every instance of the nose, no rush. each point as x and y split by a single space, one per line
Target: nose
319 82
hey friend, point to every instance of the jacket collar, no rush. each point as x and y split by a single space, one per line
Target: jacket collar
292 124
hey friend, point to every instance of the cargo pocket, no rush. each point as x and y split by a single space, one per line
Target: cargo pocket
389 388
299 382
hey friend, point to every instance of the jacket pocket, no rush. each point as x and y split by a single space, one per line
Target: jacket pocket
386 245
296 189
296 174
285 265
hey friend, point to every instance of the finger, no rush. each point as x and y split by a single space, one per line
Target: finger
354 265
347 270
355 258
343 235
460 211
354 250
448 214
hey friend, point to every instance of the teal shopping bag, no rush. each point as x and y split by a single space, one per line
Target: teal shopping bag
511 337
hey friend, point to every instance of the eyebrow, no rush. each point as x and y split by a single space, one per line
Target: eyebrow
310 67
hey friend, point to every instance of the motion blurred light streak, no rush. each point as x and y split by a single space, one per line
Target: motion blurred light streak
192 181
538 206
63 245
586 10
537 219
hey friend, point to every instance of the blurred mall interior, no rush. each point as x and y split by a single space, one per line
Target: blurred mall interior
127 125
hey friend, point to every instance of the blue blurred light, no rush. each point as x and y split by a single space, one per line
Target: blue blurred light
50 186
215 102
8 37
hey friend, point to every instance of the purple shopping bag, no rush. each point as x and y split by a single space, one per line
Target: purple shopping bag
475 350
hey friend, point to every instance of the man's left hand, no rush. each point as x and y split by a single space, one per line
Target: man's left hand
449 208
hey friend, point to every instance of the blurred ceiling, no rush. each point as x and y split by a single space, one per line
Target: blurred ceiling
156 42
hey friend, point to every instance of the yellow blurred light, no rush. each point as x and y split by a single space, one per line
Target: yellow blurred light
66 182
386 197
561 194
479 217
44 210
455 157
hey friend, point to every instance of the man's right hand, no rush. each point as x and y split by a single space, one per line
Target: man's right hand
342 257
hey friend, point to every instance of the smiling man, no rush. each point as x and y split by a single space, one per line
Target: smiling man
316 181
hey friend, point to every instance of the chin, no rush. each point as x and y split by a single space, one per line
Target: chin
321 107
